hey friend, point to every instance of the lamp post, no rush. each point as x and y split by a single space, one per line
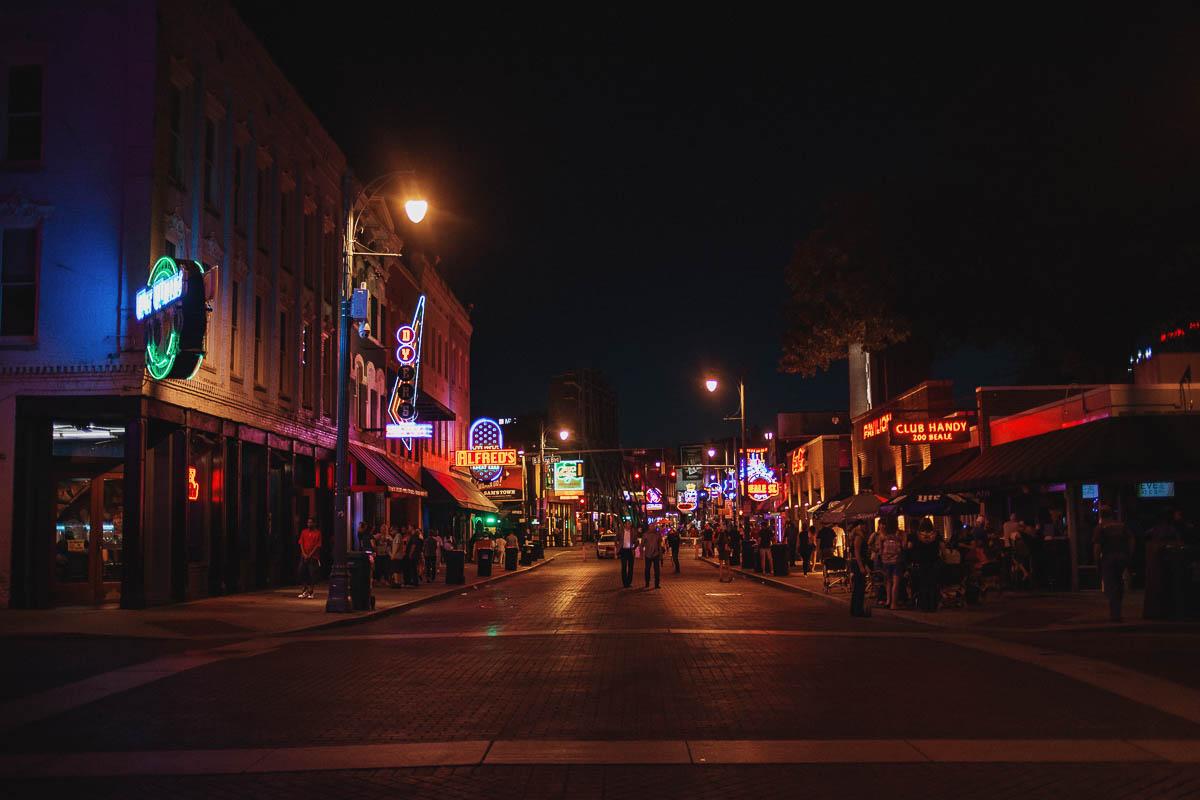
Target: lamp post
543 469
711 384
338 600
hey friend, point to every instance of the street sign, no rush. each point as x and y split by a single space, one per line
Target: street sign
550 459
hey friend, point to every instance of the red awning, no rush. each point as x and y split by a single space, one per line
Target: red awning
387 472
456 490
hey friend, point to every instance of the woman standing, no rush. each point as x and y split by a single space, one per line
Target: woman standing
858 571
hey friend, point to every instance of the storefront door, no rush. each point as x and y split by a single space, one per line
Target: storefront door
88 521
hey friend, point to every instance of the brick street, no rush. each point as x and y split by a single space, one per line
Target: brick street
565 655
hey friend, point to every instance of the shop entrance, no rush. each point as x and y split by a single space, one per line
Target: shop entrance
88 537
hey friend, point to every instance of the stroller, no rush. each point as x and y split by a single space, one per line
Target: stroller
835 573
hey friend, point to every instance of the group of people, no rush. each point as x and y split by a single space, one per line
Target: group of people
649 544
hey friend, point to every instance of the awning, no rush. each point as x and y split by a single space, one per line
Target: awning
918 504
444 488
430 409
859 507
386 472
1118 449
931 478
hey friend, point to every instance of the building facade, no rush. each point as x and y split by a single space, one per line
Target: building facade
199 160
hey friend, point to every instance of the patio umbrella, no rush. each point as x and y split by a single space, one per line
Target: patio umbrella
936 503
859 507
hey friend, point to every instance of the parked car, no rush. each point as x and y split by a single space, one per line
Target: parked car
606 546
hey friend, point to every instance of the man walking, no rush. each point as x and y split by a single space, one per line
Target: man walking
1112 548
626 542
652 553
673 542
310 557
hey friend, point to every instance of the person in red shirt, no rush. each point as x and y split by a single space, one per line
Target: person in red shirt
310 557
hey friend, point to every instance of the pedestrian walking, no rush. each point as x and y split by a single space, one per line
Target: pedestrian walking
891 553
626 542
858 571
673 541
723 543
825 537
791 535
310 557
381 545
806 549
652 554
430 549
764 550
1112 548
924 555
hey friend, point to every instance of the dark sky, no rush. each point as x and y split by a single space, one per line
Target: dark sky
623 191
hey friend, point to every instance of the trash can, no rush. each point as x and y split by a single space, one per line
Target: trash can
483 562
735 555
358 563
750 556
526 555
779 558
456 561
539 550
1182 564
510 557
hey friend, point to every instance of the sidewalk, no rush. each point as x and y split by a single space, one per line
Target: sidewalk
1008 611
265 613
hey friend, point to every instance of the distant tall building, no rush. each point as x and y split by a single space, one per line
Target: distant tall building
582 402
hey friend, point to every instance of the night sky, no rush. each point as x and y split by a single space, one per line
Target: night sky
623 191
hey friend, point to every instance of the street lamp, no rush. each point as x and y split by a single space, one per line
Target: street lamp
711 384
338 600
563 435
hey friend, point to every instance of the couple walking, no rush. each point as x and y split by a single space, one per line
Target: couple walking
651 547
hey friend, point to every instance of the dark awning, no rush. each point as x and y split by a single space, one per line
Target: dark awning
1118 449
932 477
387 472
918 504
430 409
445 488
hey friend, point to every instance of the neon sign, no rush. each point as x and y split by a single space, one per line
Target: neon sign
193 486
876 426
173 309
799 460
486 458
688 499
761 482
409 430
568 476
653 500
930 431
402 406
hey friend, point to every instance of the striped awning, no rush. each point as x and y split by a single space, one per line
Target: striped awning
387 472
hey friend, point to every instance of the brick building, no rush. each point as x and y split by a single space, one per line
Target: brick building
135 131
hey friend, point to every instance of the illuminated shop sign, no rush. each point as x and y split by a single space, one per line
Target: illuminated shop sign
876 426
799 460
410 430
761 482
193 485
174 311
1090 491
486 456
653 500
504 493
402 407
568 476
688 499
1162 489
928 431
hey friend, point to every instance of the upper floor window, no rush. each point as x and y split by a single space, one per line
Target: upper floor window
285 357
287 243
18 282
333 264
212 166
262 221
177 145
235 341
239 188
23 142
310 249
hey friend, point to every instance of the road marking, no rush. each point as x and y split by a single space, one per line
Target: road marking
556 752
1147 690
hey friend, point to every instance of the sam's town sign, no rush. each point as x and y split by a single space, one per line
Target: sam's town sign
172 307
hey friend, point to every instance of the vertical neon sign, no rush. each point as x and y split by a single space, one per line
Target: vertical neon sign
402 407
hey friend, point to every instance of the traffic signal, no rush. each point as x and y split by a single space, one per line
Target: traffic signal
637 476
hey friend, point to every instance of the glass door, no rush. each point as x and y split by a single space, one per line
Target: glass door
88 521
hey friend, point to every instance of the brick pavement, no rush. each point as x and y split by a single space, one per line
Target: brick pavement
756 782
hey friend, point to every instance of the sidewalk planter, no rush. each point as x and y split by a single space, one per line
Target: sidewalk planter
483 563
539 550
527 555
750 556
510 557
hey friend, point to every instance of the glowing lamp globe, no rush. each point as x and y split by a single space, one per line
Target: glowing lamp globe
564 435
711 384
415 209
711 452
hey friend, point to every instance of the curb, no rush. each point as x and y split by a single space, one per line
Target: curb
420 601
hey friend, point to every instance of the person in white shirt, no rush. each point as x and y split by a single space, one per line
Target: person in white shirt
626 542
1012 529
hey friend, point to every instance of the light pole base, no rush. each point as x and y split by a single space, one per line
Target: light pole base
338 601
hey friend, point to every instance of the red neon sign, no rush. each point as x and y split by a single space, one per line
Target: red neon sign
928 431
193 487
876 426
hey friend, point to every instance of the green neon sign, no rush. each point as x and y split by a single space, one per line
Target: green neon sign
174 311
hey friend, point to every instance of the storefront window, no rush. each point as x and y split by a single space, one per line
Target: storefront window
72 527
